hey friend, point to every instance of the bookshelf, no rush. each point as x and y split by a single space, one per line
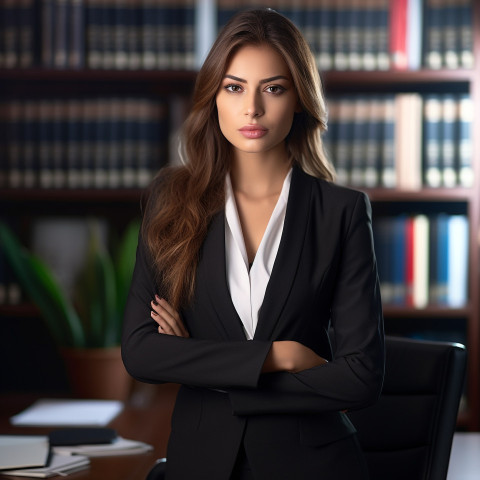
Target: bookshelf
173 87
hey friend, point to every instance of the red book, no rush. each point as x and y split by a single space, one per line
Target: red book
409 260
398 34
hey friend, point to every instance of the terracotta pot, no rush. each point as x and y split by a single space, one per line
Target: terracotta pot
97 373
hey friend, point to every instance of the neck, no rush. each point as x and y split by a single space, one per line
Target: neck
257 176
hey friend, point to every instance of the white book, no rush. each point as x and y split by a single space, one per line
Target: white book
421 256
58 465
22 451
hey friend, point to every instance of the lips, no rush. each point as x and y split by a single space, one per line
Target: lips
253 131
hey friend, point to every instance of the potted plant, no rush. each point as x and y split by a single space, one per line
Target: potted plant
87 326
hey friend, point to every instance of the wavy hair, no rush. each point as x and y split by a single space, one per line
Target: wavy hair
182 200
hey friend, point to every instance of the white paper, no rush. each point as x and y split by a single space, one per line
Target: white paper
59 465
121 446
81 413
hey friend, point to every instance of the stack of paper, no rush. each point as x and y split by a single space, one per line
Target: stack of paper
58 465
120 446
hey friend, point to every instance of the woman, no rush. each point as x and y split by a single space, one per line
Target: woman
249 255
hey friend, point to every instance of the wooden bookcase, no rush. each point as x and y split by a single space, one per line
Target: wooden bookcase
120 204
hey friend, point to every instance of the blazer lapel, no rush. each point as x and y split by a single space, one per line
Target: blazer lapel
288 256
214 275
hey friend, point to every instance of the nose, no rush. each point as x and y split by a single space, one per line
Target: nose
254 105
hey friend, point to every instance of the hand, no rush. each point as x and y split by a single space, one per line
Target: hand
290 356
168 319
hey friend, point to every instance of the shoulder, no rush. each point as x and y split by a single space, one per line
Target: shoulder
331 194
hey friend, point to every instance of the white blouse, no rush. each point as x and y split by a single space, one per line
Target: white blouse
247 285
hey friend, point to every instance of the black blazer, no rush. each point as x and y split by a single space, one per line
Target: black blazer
324 278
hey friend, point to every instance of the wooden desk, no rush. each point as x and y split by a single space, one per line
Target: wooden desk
146 417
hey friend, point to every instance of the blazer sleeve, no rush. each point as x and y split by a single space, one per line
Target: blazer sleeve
152 357
354 377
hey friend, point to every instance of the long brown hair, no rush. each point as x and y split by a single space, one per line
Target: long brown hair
182 200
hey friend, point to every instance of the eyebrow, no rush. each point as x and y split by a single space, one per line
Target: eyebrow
266 80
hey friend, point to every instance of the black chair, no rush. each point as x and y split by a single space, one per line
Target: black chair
408 433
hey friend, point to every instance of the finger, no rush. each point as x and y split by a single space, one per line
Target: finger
174 315
163 326
171 325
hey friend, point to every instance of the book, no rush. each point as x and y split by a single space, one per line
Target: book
464 144
449 137
66 412
22 451
433 34
432 113
421 246
414 40
457 285
398 34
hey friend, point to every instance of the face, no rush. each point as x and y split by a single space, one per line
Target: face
256 101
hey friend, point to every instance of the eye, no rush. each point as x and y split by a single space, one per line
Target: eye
233 88
275 89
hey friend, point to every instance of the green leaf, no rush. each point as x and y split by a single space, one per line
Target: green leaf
43 290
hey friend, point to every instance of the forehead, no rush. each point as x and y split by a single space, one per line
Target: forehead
257 61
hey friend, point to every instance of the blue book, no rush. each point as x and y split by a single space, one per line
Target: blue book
88 143
451 50
114 142
76 50
45 143
464 145
59 142
189 35
26 31
93 33
457 284
120 34
74 143
432 113
398 259
13 136
382 26
433 35
465 32
449 140
369 46
388 172
443 239
340 35
433 259
28 145
359 140
325 36
148 19
354 36
60 36
373 139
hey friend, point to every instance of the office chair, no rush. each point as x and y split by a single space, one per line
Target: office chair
408 433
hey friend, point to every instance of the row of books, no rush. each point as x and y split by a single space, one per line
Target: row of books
423 259
82 143
379 34
161 34
402 141
98 34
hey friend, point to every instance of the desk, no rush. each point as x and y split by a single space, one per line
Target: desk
146 417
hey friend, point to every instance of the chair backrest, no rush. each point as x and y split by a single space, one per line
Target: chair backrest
408 433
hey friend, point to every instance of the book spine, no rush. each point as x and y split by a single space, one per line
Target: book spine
432 141
388 170
325 35
107 36
398 34
46 143
382 37
4 109
120 34
161 29
60 35
399 260
29 123
358 151
449 140
10 34
134 41
433 34
114 142
449 13
76 51
340 52
465 33
100 147
88 144
354 34
25 33
457 261
373 143
93 28
59 144
414 34
148 29
74 143
369 47
14 159
343 144
409 260
464 146
421 245
130 135
48 28
442 260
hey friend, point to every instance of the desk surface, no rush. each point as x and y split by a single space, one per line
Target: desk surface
146 417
